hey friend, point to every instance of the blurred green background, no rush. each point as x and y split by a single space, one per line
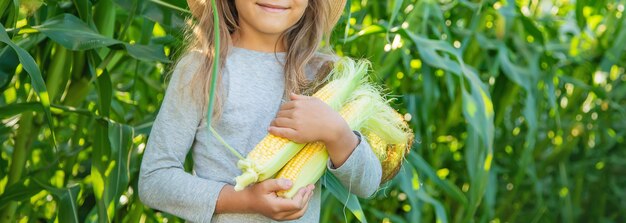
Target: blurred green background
519 107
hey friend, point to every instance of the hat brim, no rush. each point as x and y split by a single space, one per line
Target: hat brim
336 9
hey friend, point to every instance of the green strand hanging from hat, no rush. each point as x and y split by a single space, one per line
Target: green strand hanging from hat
216 63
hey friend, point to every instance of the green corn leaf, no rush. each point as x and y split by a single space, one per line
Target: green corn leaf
39 86
395 10
447 187
8 63
102 145
9 59
67 199
409 183
121 141
84 10
74 34
19 192
17 108
349 200
440 212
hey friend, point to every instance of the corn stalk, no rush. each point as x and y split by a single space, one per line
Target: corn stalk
24 138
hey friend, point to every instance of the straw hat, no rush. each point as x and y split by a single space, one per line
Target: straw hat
336 9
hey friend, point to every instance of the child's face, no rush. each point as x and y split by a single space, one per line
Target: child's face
270 16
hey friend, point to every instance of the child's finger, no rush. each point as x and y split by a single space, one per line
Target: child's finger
300 213
293 204
287 105
273 185
311 187
287 133
305 197
285 114
283 122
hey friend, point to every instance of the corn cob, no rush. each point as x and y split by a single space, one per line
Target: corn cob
305 168
392 148
310 163
380 124
273 152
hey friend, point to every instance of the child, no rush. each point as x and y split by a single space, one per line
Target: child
269 54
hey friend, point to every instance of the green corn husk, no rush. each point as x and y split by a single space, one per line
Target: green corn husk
390 138
374 116
309 164
273 152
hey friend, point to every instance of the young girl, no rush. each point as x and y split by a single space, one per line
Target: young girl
270 58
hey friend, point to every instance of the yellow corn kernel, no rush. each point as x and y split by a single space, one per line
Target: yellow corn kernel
267 148
325 93
273 152
305 168
390 155
267 157
310 163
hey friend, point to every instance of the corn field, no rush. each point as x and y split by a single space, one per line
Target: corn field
518 107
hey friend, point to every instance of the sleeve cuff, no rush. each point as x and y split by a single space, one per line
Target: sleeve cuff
361 172
213 197
352 159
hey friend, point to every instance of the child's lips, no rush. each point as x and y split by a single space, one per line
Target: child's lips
272 8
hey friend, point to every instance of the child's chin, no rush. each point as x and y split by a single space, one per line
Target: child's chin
273 28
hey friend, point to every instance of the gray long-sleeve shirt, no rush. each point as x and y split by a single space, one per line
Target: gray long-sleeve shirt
253 86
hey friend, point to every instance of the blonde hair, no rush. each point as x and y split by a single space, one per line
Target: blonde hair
302 41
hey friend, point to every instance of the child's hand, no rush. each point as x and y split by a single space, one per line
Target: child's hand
307 119
263 199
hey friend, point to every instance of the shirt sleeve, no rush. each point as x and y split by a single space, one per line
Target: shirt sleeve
361 173
163 182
